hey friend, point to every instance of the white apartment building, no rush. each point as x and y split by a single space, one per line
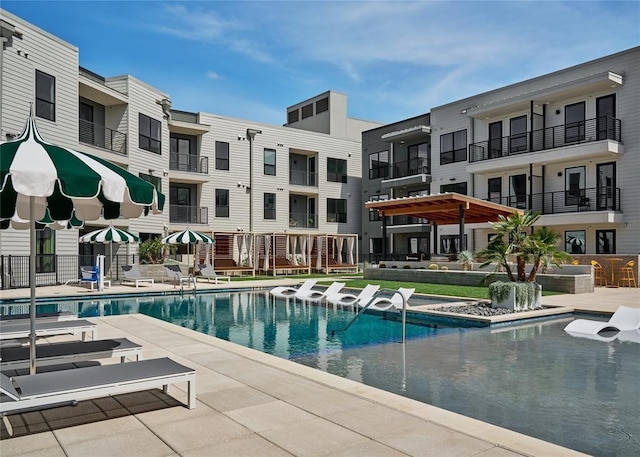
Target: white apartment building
565 144
219 174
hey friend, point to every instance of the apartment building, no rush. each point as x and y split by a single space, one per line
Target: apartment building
218 173
565 144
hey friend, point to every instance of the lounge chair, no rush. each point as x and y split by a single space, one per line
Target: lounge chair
41 317
132 275
314 295
67 352
361 299
625 318
175 274
393 302
207 272
57 388
89 275
21 328
286 291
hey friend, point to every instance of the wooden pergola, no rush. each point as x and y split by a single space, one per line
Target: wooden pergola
440 209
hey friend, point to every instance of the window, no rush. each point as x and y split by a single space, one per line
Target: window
453 147
336 170
336 210
307 111
419 247
379 164
419 159
575 242
149 134
574 186
182 153
156 181
269 206
222 155
458 187
222 203
495 139
293 116
270 162
495 190
450 244
375 245
518 134
322 105
45 96
373 213
574 122
45 250
605 241
518 191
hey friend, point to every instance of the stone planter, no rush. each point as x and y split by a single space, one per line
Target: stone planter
517 300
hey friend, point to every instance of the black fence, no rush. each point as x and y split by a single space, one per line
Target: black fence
566 201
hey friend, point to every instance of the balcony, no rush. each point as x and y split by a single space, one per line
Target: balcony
412 173
185 214
189 163
102 137
407 220
302 178
566 201
588 131
303 220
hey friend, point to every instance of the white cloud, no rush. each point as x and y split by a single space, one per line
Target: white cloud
213 75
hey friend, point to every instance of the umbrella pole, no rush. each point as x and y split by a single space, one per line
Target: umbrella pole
32 284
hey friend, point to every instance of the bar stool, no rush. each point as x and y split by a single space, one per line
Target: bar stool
626 274
575 262
599 276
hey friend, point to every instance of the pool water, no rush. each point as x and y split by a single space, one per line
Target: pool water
534 379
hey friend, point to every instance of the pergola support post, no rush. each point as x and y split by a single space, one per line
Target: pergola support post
384 237
461 216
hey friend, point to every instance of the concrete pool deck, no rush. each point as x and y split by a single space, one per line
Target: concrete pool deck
250 403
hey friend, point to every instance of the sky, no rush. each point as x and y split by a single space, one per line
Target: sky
393 60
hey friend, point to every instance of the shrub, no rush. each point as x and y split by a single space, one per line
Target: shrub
382 265
444 267
407 267
433 266
394 266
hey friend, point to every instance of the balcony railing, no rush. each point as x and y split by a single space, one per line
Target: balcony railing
188 162
303 220
103 137
302 178
566 201
184 214
601 128
407 220
411 167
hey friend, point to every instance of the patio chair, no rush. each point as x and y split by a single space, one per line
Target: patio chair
314 295
132 275
21 328
362 298
57 388
393 302
207 272
627 275
175 274
68 352
599 276
286 291
41 317
625 318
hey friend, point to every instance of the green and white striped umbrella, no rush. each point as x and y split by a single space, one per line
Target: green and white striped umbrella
187 237
109 235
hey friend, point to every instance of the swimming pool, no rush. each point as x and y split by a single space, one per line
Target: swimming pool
534 378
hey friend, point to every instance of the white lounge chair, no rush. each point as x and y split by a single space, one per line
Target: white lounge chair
57 388
132 274
68 352
21 328
625 318
286 291
314 295
393 302
41 317
361 299
207 272
175 274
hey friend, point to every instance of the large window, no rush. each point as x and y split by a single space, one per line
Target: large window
458 187
495 190
45 250
269 206
270 162
518 191
453 147
605 241
450 244
222 155
373 213
222 203
182 149
336 210
575 241
574 185
156 181
322 105
336 170
45 96
149 131
379 164
518 134
574 122
419 159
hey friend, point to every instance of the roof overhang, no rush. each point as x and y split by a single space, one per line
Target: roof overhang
406 134
443 209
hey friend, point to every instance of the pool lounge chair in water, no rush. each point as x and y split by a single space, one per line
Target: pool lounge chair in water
625 318
57 388
132 275
314 295
15 358
286 291
393 302
361 299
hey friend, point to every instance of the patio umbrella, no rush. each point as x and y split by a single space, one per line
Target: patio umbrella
109 235
39 179
188 237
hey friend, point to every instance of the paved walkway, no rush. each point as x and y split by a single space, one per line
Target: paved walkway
250 404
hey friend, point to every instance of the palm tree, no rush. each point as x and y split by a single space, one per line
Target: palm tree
542 245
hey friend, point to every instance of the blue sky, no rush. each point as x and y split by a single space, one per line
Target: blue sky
393 59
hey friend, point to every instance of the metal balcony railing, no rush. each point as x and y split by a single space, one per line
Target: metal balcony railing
184 214
407 220
102 137
302 178
566 201
303 220
188 162
590 130
411 167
